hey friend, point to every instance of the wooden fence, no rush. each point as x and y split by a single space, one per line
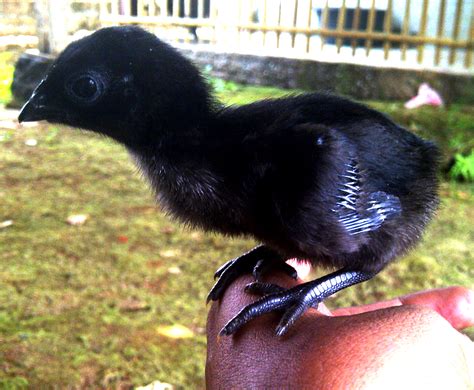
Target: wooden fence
421 34
24 17
16 18
45 24
406 33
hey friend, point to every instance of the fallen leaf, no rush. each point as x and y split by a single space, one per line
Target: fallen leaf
167 230
170 253
6 223
77 219
156 286
174 270
122 239
175 331
31 142
156 385
154 263
132 305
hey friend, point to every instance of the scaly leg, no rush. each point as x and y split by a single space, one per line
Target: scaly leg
295 300
257 261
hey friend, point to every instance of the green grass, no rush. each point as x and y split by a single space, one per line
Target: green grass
463 168
6 76
68 293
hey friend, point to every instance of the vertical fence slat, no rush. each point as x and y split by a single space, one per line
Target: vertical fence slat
102 9
341 17
324 22
264 19
187 8
176 8
186 14
278 24
200 9
126 7
140 7
405 30
249 18
370 27
295 21
236 27
470 41
213 14
114 8
440 29
387 26
453 51
308 35
151 7
422 32
355 26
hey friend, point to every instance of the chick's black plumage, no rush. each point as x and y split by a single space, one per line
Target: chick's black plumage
315 176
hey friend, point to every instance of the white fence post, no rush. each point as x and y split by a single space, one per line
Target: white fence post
58 16
51 19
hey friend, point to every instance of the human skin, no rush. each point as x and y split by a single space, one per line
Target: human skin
411 342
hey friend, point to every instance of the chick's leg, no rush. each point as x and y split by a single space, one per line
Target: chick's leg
257 261
296 300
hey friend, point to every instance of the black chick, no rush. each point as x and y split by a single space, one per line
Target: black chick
314 176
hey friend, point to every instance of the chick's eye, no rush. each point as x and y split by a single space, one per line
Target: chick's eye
85 88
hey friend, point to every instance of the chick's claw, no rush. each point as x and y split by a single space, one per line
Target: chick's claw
265 265
271 302
255 261
259 288
294 301
222 268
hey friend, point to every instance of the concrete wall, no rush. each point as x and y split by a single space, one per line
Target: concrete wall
361 82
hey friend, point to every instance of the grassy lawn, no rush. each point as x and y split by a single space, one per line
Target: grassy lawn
89 305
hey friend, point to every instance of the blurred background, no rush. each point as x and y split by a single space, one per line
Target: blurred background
97 287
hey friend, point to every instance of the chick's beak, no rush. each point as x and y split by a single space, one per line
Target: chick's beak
34 109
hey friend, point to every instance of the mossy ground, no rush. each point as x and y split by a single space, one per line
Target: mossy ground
82 305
